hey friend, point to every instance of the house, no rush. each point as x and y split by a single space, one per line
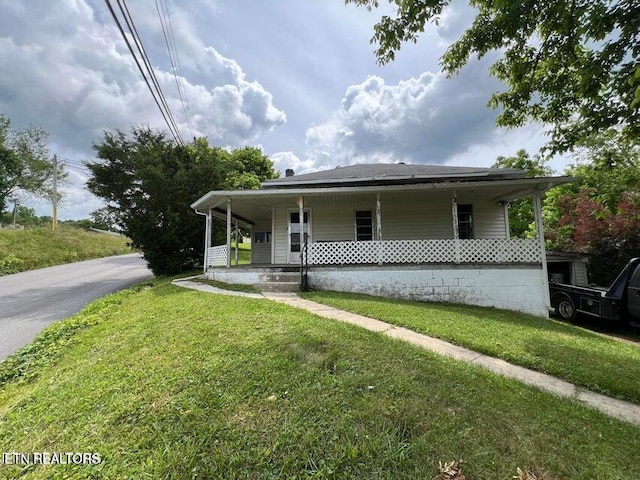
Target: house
422 232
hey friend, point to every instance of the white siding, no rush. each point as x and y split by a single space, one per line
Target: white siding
337 224
408 217
415 217
280 235
488 216
261 252
405 216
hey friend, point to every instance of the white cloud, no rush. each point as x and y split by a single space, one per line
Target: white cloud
428 119
78 79
284 160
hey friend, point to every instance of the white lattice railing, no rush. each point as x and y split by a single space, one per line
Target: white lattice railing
217 256
425 251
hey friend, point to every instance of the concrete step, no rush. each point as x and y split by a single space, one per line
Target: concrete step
278 287
279 277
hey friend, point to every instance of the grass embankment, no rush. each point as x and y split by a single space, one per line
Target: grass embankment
174 383
235 287
574 354
22 250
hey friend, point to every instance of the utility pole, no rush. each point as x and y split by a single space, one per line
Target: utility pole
54 195
15 210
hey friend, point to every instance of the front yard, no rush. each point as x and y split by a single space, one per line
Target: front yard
572 353
164 382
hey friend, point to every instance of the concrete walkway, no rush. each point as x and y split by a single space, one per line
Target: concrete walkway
622 410
192 283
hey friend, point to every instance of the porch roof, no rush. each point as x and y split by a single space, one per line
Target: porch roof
253 201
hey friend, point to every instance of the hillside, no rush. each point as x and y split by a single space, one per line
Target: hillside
22 250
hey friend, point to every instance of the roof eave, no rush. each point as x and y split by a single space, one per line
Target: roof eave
214 199
391 179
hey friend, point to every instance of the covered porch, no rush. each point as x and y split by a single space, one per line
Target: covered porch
386 226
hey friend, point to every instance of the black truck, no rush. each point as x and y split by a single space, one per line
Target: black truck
621 301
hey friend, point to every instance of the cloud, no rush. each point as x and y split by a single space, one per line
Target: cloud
284 160
76 79
424 119
67 70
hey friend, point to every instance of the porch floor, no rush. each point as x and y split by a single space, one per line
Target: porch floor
261 268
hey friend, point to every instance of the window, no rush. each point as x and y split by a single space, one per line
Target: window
465 222
263 237
364 225
295 217
294 230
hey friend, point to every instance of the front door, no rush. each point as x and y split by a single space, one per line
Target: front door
295 244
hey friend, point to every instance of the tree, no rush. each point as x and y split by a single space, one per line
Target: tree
24 216
25 164
609 166
599 213
151 182
572 65
521 216
83 223
611 237
105 218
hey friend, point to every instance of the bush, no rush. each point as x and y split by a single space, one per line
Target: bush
10 264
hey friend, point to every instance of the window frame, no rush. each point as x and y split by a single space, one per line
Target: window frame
359 235
465 221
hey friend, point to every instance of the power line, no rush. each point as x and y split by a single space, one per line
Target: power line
76 168
156 91
143 53
170 41
67 162
182 77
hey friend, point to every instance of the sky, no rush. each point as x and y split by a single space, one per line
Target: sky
297 78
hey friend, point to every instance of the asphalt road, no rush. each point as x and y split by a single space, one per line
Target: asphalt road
29 301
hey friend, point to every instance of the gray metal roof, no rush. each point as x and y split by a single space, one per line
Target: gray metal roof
392 173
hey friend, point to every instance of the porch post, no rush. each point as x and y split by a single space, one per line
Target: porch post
252 236
456 232
236 252
273 235
505 206
537 210
378 218
207 239
228 233
379 228
301 220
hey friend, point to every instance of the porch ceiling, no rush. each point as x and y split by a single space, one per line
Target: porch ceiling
253 209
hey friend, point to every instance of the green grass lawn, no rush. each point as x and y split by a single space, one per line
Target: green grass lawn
28 249
574 354
165 382
244 253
